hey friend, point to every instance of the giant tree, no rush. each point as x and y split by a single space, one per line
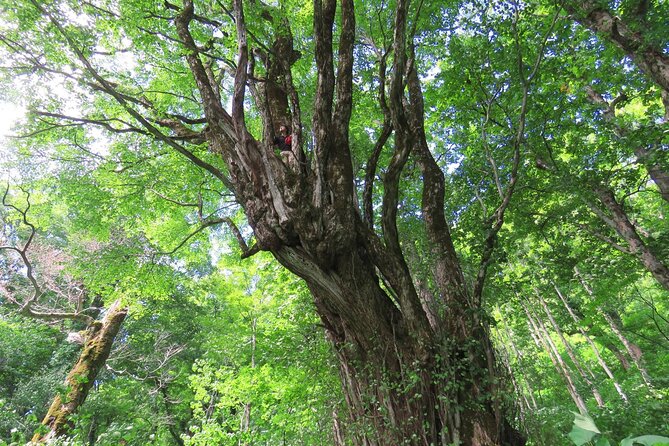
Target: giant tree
211 82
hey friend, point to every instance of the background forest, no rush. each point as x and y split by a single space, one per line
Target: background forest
126 250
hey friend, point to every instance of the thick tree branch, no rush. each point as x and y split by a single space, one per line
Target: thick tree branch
402 132
653 60
324 13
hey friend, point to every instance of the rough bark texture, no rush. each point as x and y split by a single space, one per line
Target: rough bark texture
649 57
409 377
99 339
619 222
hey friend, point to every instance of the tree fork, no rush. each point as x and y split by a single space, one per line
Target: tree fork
429 386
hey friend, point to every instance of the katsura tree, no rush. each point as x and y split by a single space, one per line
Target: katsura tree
211 82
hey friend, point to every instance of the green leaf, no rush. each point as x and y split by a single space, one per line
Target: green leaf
647 440
585 423
602 441
584 429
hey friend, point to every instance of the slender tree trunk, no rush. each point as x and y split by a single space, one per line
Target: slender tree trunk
245 422
522 408
572 355
619 222
521 361
633 350
594 348
506 360
99 340
174 430
556 359
337 431
92 434
620 355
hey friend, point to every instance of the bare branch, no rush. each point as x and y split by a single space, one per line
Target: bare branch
246 251
102 122
27 306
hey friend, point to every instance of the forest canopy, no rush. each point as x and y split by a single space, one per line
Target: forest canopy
343 223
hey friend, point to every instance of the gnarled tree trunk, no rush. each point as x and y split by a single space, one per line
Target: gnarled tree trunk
408 378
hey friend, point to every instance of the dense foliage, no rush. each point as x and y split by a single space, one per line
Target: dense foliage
550 126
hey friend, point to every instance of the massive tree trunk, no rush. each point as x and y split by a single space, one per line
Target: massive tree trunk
98 343
409 378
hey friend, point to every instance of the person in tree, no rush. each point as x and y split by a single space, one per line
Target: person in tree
284 140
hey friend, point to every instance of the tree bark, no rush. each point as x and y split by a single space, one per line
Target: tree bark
619 222
99 340
648 158
594 348
406 381
624 362
649 57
